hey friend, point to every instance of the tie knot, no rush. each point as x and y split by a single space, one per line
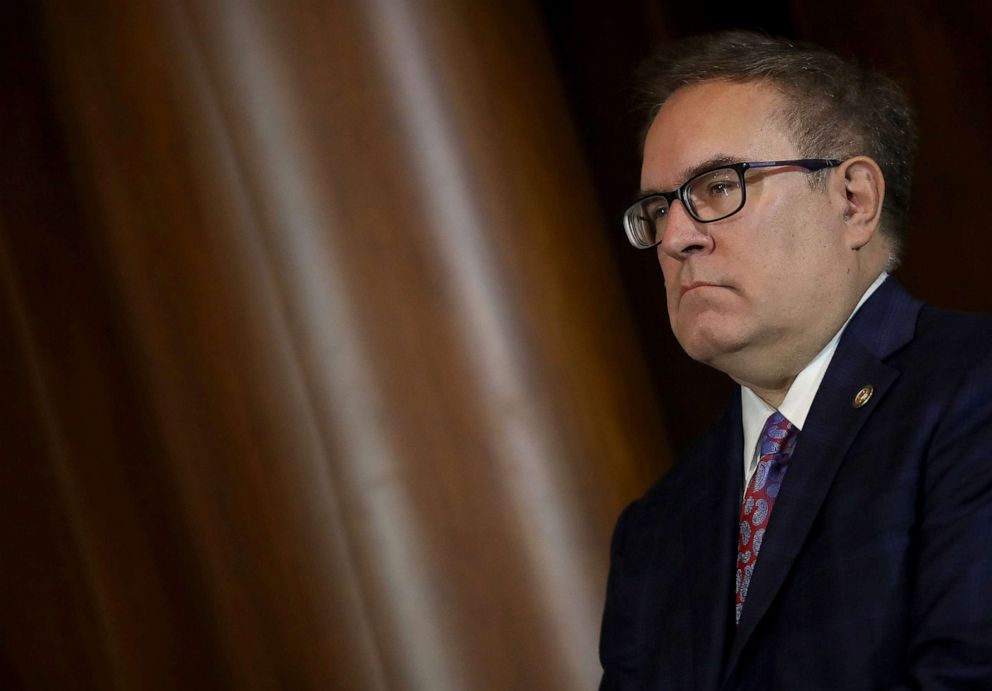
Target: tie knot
778 435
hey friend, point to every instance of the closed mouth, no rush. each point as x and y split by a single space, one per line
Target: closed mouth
699 284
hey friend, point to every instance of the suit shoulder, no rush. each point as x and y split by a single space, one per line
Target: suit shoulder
949 342
694 468
945 372
943 323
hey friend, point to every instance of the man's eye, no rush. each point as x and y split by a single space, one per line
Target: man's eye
654 209
721 189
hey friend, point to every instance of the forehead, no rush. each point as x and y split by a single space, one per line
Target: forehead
714 120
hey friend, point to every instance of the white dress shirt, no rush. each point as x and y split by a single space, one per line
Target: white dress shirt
798 400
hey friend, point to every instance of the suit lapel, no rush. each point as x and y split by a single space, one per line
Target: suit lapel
885 323
710 543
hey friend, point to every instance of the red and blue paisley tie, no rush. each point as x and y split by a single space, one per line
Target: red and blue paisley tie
778 439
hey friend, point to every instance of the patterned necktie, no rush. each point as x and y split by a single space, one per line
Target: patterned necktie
778 439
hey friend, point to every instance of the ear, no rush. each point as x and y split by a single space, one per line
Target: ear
864 191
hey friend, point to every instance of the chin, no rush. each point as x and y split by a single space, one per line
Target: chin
709 346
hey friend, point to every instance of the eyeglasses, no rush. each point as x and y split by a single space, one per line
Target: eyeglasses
713 195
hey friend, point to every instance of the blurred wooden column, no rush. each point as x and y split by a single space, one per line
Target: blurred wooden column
387 395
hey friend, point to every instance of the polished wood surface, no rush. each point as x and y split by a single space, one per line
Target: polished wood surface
347 394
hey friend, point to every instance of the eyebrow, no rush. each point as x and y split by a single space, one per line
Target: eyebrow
693 171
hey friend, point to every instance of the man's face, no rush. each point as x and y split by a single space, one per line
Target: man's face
771 281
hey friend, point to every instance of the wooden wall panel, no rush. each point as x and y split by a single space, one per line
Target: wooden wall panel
339 387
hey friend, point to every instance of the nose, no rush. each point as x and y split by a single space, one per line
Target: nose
684 235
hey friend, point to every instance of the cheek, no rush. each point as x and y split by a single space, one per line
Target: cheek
670 276
669 269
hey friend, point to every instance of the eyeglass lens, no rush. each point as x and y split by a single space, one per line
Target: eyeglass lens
715 194
710 196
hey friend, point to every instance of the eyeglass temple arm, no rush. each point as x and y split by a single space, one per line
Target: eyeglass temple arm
810 164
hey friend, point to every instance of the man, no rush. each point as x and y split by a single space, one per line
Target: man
833 529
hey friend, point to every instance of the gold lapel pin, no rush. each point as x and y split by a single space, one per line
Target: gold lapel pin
863 396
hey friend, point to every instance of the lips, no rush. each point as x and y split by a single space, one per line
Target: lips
686 287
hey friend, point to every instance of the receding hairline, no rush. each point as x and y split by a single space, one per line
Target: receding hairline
783 114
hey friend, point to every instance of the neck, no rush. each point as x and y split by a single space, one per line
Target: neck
772 376
773 396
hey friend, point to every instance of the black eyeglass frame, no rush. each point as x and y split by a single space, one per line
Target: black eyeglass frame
811 165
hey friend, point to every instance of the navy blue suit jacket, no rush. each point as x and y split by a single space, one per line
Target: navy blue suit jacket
876 569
